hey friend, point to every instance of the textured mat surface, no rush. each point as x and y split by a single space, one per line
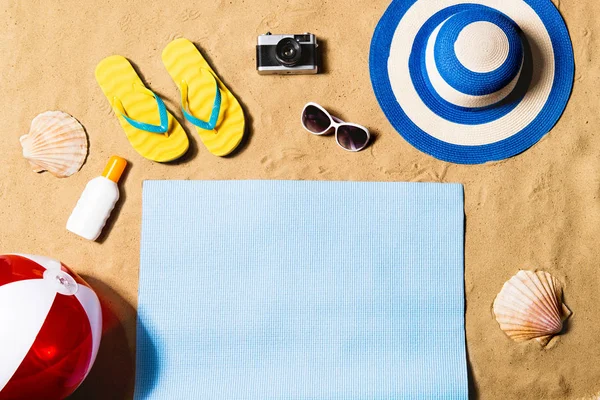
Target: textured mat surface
301 290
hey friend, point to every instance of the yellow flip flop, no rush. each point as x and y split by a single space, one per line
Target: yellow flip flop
205 100
150 128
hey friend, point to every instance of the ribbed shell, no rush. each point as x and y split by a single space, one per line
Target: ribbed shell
56 143
530 306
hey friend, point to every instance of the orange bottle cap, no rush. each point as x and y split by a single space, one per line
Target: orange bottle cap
114 168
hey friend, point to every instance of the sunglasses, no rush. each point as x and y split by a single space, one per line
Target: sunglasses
318 121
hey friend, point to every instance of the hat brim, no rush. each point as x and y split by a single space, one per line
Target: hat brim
484 135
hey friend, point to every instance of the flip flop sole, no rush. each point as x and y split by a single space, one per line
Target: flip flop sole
117 77
184 62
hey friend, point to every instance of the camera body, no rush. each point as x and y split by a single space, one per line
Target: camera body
287 54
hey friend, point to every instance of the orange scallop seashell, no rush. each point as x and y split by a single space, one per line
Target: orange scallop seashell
530 307
56 143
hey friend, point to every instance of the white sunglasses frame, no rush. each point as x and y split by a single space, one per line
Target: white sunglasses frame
334 123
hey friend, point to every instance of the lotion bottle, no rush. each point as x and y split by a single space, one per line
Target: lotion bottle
97 201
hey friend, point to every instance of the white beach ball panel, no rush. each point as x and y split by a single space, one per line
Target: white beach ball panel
32 298
91 305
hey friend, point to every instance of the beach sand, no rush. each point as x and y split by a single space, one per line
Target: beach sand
539 210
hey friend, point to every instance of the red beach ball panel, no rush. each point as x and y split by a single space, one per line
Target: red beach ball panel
16 268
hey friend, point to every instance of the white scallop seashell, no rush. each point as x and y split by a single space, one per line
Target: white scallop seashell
530 306
56 143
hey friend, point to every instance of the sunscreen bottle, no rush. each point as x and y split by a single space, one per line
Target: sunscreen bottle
97 201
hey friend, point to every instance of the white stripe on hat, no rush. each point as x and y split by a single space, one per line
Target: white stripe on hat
25 306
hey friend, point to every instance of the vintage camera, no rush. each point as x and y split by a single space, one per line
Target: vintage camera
287 54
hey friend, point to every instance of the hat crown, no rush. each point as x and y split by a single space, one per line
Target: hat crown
474 58
481 47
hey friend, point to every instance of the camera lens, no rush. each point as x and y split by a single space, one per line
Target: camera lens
288 52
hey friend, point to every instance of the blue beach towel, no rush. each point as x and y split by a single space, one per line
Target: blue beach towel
301 290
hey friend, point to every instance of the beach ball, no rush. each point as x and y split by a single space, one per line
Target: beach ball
50 328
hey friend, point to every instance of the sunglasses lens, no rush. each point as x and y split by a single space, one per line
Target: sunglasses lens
352 137
315 120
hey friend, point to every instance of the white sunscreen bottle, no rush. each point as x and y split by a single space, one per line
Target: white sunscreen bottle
97 201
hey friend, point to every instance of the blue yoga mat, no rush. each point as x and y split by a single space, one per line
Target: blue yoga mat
301 290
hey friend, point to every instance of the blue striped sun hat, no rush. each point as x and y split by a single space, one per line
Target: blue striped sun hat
472 82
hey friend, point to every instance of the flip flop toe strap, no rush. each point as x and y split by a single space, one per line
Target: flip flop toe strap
163 127
216 108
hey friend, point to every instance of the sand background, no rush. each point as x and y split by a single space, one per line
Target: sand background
537 210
